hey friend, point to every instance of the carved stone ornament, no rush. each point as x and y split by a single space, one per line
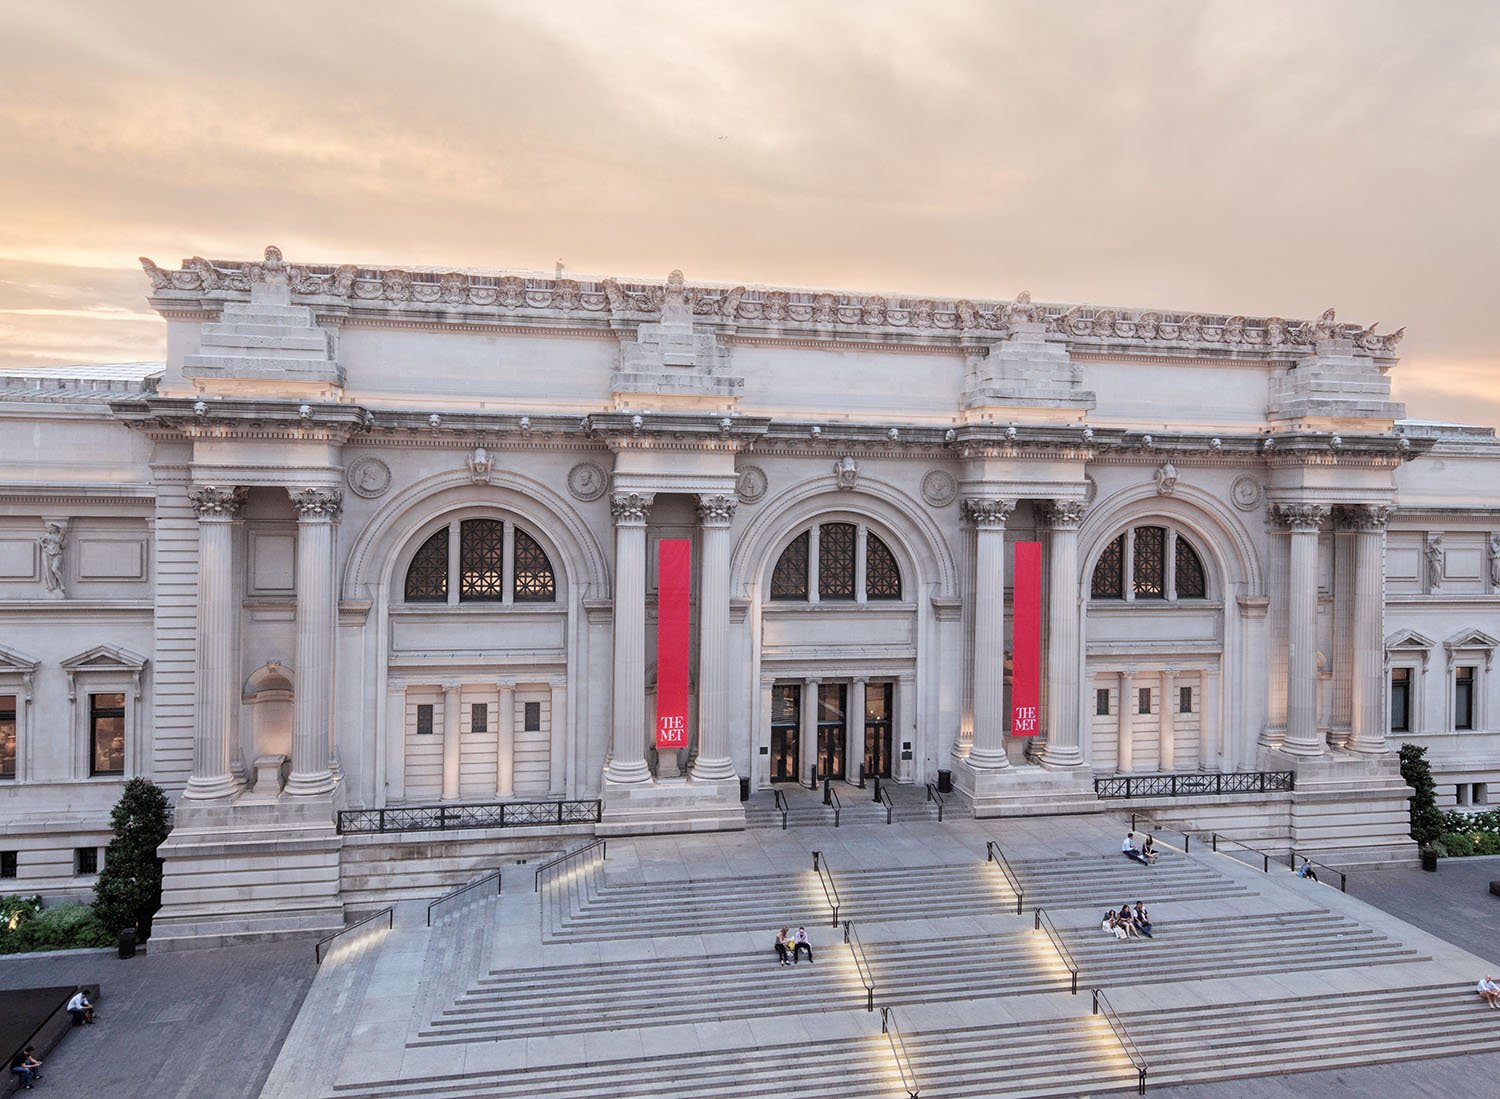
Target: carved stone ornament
53 541
481 465
1063 514
939 488
1363 516
1166 479
1246 493
1495 561
1299 517
751 485
716 510
317 503
213 502
988 511
1436 556
368 477
587 482
1090 489
630 507
846 472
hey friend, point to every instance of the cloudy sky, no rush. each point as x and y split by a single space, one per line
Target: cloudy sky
1260 158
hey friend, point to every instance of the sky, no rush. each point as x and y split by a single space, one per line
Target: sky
1267 158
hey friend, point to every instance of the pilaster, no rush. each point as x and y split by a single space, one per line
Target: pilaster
318 512
219 510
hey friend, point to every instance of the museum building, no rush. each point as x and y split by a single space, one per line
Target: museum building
380 541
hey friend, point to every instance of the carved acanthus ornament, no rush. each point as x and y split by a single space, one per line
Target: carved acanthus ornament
1063 514
714 511
317 503
1299 517
1363 516
214 502
988 511
630 507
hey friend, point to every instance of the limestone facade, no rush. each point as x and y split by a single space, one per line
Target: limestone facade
372 538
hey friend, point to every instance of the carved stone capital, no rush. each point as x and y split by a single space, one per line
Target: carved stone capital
1063 514
1363 516
629 508
1299 517
988 511
717 511
316 503
214 502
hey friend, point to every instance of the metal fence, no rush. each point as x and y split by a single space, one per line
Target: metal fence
443 818
1194 785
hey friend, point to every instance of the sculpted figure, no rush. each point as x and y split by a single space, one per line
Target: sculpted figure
676 291
1495 560
1166 479
1021 311
1234 330
729 305
160 280
1276 333
1434 554
53 541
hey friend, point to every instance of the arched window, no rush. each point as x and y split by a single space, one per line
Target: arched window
841 549
1149 562
489 553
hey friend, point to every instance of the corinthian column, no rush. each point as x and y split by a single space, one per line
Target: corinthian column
715 513
312 713
988 516
1367 713
1302 522
1064 748
627 762
218 624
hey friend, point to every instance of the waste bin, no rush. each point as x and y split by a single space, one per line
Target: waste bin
744 789
1429 859
127 942
945 782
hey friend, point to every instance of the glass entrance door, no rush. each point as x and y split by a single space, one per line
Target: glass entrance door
878 729
831 701
786 729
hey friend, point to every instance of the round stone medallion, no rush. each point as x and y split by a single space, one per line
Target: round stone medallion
368 477
751 485
939 488
1246 493
586 481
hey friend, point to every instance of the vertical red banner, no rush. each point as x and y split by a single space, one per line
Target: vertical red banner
1026 639
674 570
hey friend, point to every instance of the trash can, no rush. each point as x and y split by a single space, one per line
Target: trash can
1429 859
127 942
744 789
945 782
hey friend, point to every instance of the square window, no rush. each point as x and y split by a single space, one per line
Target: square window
479 717
1184 700
424 719
1143 696
7 864
533 717
1101 701
107 734
86 860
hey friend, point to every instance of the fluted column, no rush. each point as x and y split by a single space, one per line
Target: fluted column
1208 722
557 757
1166 754
807 737
452 748
1125 745
988 516
1064 744
715 513
854 730
218 624
505 741
627 761
1367 712
1302 522
312 713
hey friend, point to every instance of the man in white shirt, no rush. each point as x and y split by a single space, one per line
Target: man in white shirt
80 1009
1488 991
803 943
1128 849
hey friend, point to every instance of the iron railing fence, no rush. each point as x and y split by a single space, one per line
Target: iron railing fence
444 818
1293 856
1195 785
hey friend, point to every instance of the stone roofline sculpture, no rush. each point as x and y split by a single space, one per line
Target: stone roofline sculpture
795 310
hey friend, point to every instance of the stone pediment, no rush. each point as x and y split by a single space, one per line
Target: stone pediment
105 658
16 663
1410 642
1471 641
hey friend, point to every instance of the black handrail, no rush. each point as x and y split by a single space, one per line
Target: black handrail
838 806
992 853
1265 859
1044 923
898 1051
388 913
781 805
830 889
890 810
1101 1006
1195 784
1155 826
565 856
933 795
861 964
490 814
461 890
1292 858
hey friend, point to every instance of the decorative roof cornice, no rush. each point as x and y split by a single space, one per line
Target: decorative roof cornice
508 296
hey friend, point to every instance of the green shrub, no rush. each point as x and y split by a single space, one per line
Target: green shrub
1456 820
1455 844
128 892
1487 844
1426 820
66 926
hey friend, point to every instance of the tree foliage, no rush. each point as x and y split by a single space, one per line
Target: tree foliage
129 889
1426 820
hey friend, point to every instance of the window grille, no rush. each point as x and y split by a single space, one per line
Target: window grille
424 719
427 575
533 717
481 553
534 582
1109 573
882 577
479 717
86 860
1190 582
789 579
1101 702
836 561
1149 562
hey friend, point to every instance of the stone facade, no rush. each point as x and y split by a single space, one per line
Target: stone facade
379 538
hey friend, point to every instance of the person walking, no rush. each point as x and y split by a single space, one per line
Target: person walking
782 950
803 943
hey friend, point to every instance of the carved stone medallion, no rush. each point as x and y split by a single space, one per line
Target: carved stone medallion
1246 493
587 482
368 477
939 488
751 485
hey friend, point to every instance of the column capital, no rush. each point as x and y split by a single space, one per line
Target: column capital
630 508
717 510
988 512
1299 517
1363 516
314 504
218 502
1063 514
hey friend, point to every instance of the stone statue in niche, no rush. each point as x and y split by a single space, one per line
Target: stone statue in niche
1434 553
1495 560
53 542
1166 479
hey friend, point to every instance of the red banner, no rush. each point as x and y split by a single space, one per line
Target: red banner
1026 639
674 568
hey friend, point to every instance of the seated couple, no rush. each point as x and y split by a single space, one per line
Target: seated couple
1127 924
789 947
1146 854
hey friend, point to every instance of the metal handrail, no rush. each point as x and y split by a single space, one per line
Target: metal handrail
1044 923
933 795
1156 826
830 889
461 890
1195 784
838 806
390 918
889 1028
565 856
992 853
1292 858
1265 859
890 809
781 805
861 963
489 814
1101 1006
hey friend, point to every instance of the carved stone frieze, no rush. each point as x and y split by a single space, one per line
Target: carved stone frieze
1063 514
1303 517
630 507
214 502
939 488
1363 516
587 481
751 485
716 510
988 511
1246 493
317 503
368 477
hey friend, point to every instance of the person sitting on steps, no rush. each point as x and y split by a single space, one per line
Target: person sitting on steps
1488 991
782 951
1130 851
79 1008
25 1065
1111 925
1149 848
1142 920
1128 922
803 943
1306 870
